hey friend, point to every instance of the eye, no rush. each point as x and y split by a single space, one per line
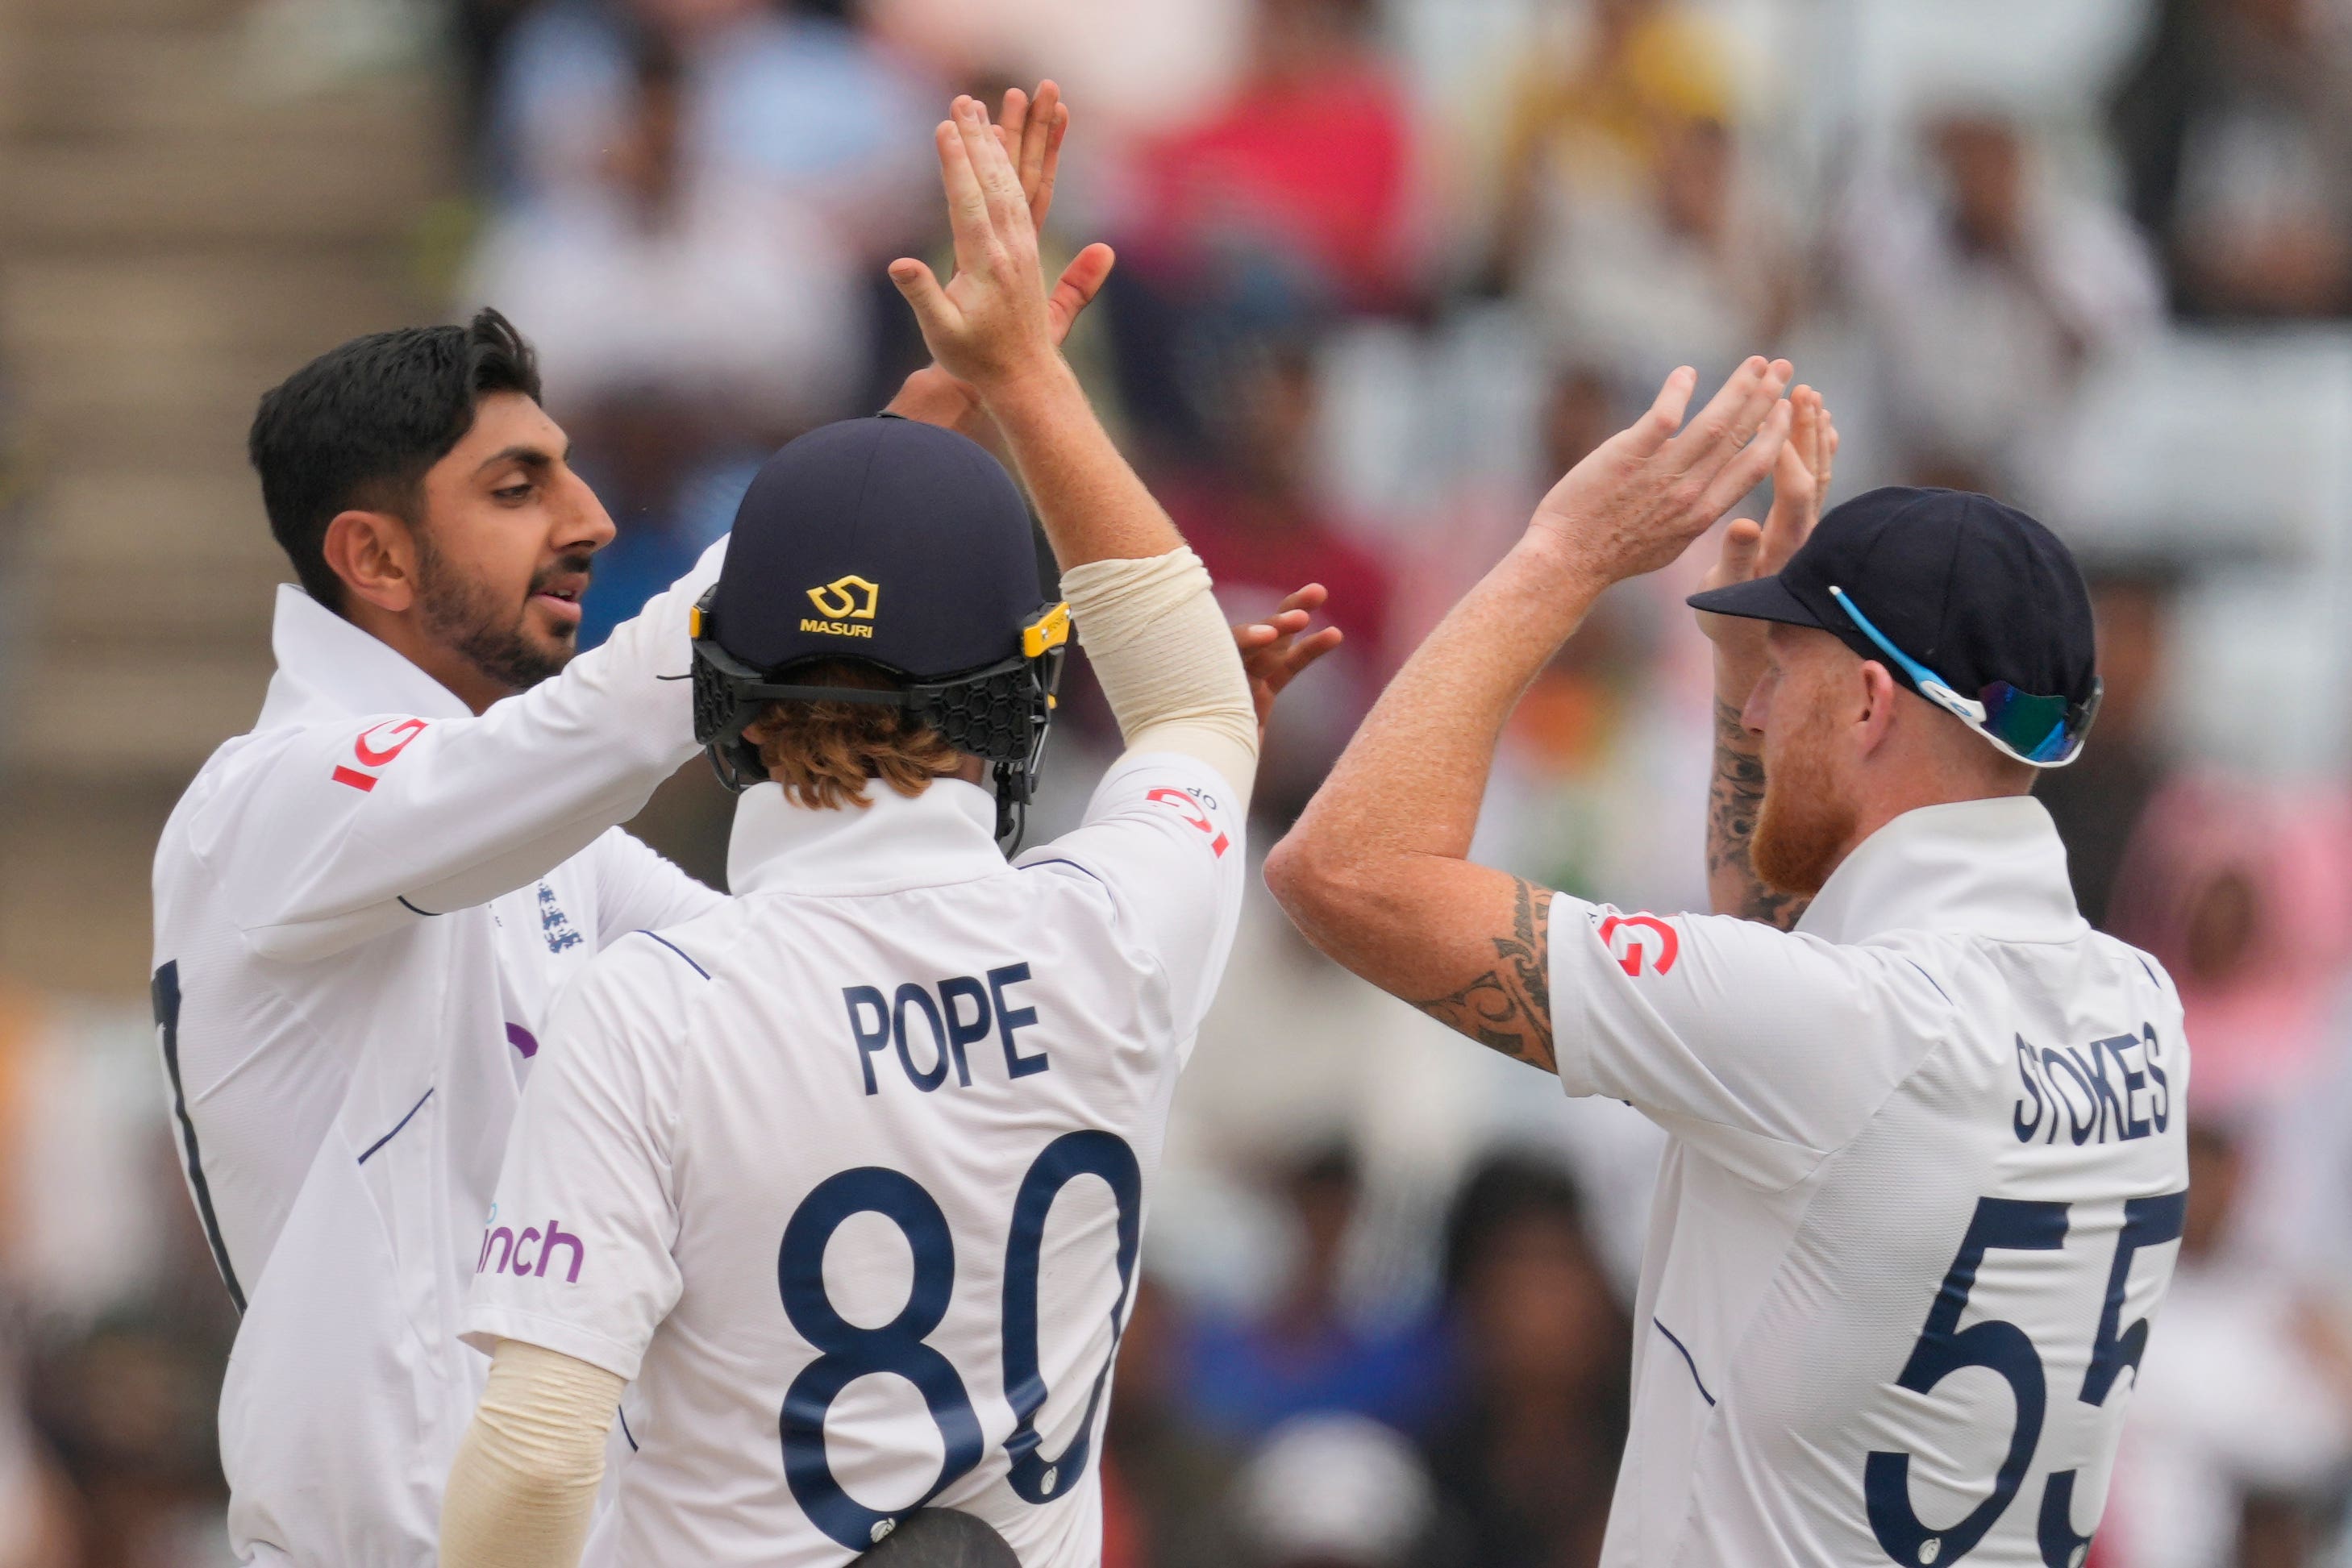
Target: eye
513 494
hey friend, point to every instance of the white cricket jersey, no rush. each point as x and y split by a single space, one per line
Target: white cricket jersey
362 909
1921 1200
849 1176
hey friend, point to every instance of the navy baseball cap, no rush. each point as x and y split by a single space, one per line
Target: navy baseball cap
1968 602
885 540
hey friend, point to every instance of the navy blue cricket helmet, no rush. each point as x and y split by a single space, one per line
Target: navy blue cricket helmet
898 545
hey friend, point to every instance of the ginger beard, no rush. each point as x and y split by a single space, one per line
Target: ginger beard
1807 821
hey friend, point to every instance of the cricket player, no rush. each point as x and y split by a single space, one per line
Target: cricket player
847 1180
1926 1168
363 906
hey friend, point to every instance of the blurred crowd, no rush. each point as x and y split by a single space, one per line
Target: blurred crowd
1387 267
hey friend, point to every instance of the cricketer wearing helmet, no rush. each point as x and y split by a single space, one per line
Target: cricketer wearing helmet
839 1190
363 906
1927 1165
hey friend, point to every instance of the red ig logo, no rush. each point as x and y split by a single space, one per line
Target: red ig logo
376 747
1660 953
1190 810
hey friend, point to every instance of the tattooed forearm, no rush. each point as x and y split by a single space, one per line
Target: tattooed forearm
1509 1008
1734 800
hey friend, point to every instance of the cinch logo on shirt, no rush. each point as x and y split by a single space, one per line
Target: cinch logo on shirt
2134 1103
842 600
529 1253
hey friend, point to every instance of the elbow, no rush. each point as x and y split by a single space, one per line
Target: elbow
1319 885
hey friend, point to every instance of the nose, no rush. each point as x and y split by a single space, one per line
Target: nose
582 525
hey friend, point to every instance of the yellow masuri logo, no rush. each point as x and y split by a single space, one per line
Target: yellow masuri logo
850 598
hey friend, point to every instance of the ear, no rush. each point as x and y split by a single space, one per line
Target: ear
1875 722
375 555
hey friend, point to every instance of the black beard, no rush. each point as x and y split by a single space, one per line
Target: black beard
463 614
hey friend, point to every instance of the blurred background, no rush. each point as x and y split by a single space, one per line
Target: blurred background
1388 267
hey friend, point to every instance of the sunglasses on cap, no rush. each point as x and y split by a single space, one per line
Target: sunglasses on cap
2042 732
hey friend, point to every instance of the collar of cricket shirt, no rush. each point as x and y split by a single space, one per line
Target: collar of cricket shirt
327 665
1981 868
946 834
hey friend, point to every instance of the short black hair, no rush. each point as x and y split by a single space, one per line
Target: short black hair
360 425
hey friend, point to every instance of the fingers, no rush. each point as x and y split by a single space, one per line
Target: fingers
1665 416
1747 467
967 203
1080 282
1036 143
1743 544
1310 596
933 311
1012 123
1305 651
1825 462
1007 209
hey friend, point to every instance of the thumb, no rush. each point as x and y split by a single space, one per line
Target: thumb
1741 542
922 291
1080 282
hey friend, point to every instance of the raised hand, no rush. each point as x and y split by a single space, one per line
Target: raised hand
1643 496
1801 483
1273 651
1031 132
992 324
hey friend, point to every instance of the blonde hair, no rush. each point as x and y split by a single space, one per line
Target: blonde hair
822 753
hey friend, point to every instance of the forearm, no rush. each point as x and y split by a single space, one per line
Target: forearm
931 396
1375 872
1093 504
1430 740
1166 660
1735 801
523 1487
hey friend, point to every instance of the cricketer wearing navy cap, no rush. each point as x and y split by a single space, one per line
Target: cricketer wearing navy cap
1939 1097
1972 604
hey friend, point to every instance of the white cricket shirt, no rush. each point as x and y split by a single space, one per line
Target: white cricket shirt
362 909
1921 1200
848 1177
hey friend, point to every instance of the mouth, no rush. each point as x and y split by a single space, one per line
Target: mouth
561 599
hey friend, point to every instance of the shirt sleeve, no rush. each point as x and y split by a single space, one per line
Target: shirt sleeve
329 835
638 889
1164 834
575 1255
1767 1050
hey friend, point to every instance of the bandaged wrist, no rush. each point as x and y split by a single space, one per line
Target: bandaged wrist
1165 658
524 1484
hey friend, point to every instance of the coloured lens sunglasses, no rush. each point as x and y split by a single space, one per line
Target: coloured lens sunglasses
2042 732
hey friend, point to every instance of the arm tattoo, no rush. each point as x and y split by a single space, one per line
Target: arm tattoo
1509 1008
1734 799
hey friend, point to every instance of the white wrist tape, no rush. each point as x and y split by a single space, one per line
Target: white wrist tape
1166 660
524 1485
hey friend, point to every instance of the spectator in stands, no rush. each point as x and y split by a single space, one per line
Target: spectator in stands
1686 266
2242 890
693 319
2235 128
2242 1416
1338 1491
1166 1478
1251 512
1308 1352
1527 1460
2099 802
779 98
1987 291
1593 117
